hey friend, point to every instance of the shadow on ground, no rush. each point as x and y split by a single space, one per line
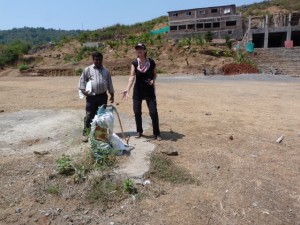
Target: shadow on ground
166 135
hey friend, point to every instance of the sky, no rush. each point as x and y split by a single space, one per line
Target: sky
92 14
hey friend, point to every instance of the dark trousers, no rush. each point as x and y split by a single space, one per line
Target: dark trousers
92 105
152 106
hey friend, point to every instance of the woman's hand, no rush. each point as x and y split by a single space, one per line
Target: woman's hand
125 95
151 82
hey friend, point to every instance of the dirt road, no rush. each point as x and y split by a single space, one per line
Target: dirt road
225 131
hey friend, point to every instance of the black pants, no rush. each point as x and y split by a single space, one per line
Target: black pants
92 105
152 106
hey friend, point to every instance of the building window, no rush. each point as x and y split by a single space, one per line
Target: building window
191 26
217 24
227 11
188 13
182 27
202 12
214 10
200 25
229 32
230 23
173 28
175 14
207 25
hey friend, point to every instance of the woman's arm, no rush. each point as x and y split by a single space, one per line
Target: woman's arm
152 82
130 83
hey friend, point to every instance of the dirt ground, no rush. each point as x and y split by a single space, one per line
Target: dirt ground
224 130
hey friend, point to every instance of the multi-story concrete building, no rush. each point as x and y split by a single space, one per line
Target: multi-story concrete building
274 30
222 21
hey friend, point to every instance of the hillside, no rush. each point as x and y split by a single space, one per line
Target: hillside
269 7
186 56
35 36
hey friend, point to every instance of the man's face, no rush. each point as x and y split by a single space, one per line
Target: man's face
98 61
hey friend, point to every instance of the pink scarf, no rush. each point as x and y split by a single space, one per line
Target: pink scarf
145 67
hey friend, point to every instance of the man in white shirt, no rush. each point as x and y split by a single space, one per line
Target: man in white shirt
101 83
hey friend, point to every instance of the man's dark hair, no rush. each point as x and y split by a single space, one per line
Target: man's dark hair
97 55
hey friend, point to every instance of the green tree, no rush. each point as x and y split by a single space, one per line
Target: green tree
10 54
83 37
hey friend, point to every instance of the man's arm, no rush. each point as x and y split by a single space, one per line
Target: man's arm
82 82
110 88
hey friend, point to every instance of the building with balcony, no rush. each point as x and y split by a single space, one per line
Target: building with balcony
222 21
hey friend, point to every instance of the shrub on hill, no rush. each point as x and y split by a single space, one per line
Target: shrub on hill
10 54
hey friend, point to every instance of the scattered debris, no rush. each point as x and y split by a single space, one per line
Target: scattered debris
187 61
266 212
31 142
41 153
18 210
170 152
275 71
146 182
84 139
66 217
280 139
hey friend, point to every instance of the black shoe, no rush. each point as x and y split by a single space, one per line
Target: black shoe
138 135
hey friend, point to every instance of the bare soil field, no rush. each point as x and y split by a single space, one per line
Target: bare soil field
224 130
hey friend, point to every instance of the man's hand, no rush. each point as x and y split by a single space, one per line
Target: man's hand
86 93
112 98
125 95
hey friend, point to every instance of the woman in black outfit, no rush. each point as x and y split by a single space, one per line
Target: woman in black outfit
144 73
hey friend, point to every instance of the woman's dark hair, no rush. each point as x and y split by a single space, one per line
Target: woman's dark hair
97 55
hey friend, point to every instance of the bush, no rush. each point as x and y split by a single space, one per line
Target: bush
185 41
85 52
209 36
83 37
64 165
242 58
53 189
68 57
23 67
200 41
164 169
129 186
10 54
79 71
106 191
113 44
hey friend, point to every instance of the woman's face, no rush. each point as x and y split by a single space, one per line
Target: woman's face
141 52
